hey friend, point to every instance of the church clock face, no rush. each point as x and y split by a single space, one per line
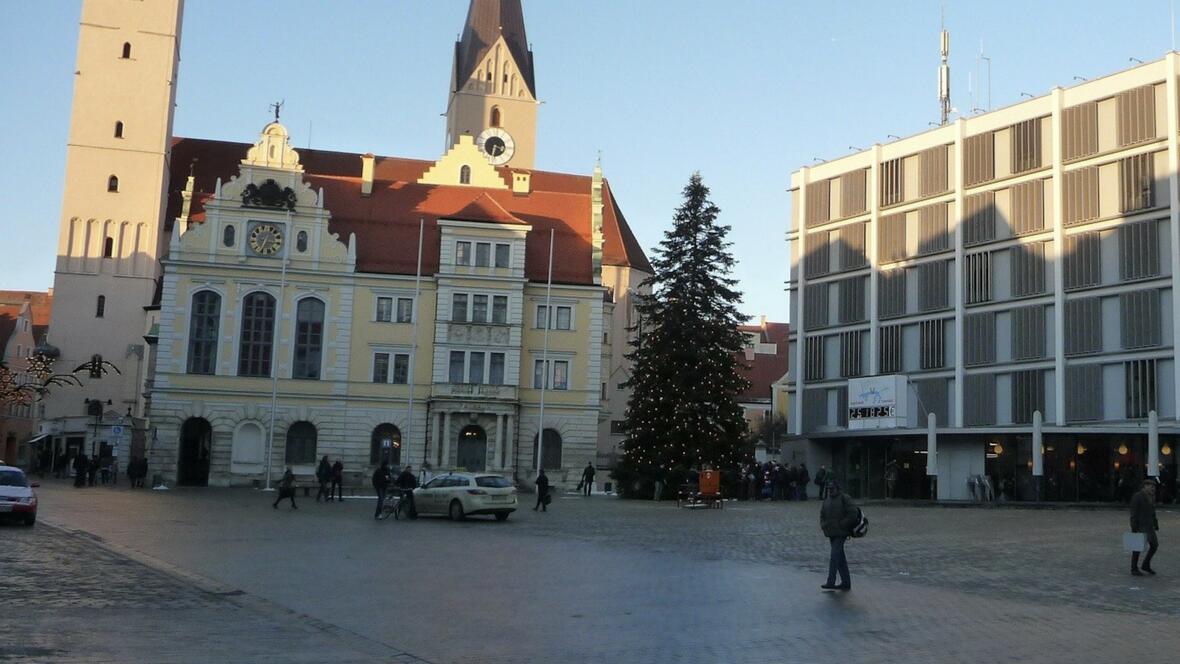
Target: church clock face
497 144
266 239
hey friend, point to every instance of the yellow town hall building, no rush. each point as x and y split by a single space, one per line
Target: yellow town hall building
442 313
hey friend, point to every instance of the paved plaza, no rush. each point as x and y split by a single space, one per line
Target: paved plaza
217 575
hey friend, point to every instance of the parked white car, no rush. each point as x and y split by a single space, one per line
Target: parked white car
459 495
17 498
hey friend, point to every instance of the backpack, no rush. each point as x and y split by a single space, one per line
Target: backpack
862 524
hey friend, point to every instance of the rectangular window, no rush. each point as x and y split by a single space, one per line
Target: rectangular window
1028 269
979 399
384 309
1028 207
850 354
475 374
979 338
815 305
1083 326
977 278
203 333
813 357
1026 145
1139 256
933 285
815 408
1140 318
458 358
932 223
852 193
1083 393
851 241
401 369
561 375
934 170
483 254
479 308
1028 395
562 314
1079 190
503 255
496 369
405 310
539 374
932 344
979 218
563 318
816 256
459 308
1082 264
979 159
1079 134
462 253
852 300
500 309
891 293
892 182
258 326
891 238
1136 115
1136 183
819 203
890 350
1140 377
933 393
381 367
1028 333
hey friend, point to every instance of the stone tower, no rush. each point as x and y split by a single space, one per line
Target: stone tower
114 196
493 94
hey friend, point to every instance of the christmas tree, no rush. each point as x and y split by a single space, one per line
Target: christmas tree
688 369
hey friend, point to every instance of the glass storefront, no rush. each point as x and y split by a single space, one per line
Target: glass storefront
860 466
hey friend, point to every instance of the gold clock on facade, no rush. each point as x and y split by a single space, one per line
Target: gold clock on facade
266 239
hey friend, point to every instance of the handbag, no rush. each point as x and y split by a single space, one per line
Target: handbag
547 499
1134 542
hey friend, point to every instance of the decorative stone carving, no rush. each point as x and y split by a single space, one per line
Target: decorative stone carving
268 194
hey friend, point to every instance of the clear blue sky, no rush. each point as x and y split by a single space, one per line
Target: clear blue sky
744 91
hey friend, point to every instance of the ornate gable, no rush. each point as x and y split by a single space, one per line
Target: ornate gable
465 154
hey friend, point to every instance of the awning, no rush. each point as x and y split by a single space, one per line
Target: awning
38 438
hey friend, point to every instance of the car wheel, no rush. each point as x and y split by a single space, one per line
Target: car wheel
456 510
501 516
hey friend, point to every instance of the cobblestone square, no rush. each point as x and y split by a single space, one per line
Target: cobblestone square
217 575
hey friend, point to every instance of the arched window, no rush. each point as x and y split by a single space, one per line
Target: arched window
108 247
551 452
204 323
100 307
227 236
301 443
258 330
309 339
119 129
301 241
126 50
113 183
465 175
385 445
495 120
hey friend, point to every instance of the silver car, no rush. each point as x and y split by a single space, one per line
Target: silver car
458 495
17 498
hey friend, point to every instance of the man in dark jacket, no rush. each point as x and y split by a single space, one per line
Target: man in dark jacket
837 518
337 488
286 490
407 482
804 478
381 481
1143 520
81 466
587 479
542 491
323 475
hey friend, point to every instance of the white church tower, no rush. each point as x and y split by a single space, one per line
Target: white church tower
114 196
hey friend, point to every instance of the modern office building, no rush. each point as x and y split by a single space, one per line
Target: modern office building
1015 262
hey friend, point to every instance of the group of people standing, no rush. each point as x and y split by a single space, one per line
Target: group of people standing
775 481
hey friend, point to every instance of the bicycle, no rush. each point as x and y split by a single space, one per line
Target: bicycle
394 505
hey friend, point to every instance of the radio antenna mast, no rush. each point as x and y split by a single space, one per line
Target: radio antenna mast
944 72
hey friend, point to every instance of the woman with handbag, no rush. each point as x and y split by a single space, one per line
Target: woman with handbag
286 490
542 492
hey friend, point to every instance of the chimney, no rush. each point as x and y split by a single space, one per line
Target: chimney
762 321
521 182
367 161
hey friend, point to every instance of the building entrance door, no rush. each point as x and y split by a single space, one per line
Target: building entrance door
473 449
196 446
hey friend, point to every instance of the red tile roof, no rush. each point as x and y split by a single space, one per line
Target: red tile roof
40 306
384 220
8 315
765 369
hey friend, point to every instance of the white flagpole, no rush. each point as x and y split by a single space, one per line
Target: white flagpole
546 371
414 346
274 365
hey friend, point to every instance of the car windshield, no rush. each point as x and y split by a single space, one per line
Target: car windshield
493 482
12 478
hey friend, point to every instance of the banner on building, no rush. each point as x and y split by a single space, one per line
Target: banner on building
877 402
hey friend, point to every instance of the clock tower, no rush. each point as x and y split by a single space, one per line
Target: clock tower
493 90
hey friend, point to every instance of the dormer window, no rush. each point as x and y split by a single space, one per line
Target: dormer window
465 175
126 50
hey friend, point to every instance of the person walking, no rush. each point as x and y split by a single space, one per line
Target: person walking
1143 520
381 481
542 492
891 472
337 488
821 481
407 482
588 479
286 489
92 470
81 465
143 471
837 518
323 475
804 480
